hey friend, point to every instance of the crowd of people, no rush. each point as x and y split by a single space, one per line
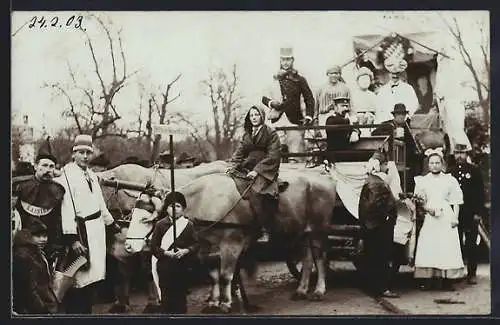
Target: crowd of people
64 217
450 204
335 102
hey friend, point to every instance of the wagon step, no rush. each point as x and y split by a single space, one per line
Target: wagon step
341 238
349 249
344 228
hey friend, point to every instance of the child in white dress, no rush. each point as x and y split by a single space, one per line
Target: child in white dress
438 256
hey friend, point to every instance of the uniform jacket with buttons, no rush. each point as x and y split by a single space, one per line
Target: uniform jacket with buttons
471 182
292 86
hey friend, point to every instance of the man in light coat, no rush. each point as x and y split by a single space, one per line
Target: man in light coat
395 91
84 220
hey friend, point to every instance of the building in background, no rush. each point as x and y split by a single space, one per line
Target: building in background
23 142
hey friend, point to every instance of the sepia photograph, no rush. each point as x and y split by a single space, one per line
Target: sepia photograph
250 163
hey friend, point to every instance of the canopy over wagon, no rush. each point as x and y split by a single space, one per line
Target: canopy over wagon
431 72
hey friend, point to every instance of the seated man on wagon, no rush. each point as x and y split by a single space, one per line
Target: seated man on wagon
401 130
338 139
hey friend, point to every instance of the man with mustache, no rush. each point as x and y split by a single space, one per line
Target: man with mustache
286 108
38 197
471 182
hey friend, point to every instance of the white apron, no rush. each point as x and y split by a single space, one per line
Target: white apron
86 203
96 235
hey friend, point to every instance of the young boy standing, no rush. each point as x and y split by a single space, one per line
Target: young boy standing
32 292
174 260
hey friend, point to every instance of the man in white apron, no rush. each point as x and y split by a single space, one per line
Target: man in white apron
84 217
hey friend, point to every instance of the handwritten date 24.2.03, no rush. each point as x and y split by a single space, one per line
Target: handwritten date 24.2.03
43 22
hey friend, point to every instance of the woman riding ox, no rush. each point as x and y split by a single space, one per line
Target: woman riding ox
258 157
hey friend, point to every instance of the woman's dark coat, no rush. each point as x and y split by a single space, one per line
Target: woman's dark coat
260 153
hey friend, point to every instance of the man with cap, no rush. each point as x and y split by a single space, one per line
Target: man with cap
38 197
287 110
85 219
395 91
399 127
471 182
330 94
338 139
175 255
377 217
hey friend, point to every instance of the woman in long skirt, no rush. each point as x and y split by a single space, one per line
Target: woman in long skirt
438 257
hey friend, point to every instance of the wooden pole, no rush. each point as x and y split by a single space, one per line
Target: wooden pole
172 186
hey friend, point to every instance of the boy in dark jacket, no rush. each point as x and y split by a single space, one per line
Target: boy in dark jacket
32 292
174 260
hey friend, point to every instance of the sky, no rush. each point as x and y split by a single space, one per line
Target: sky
160 45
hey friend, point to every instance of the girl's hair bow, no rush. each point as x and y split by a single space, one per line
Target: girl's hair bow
437 151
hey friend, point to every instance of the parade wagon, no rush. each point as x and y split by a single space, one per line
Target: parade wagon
439 122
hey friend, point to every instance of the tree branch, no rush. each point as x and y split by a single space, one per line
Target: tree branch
466 58
111 49
96 65
123 55
71 104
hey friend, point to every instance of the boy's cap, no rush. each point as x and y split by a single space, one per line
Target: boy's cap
37 227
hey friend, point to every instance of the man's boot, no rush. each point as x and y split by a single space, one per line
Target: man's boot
284 151
471 271
269 206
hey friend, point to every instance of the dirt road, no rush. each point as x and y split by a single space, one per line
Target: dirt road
275 286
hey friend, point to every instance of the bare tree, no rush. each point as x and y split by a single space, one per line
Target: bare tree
481 76
161 109
194 133
221 89
139 126
94 111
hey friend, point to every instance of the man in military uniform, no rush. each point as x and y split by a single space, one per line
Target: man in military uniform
39 197
471 182
287 111
400 127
